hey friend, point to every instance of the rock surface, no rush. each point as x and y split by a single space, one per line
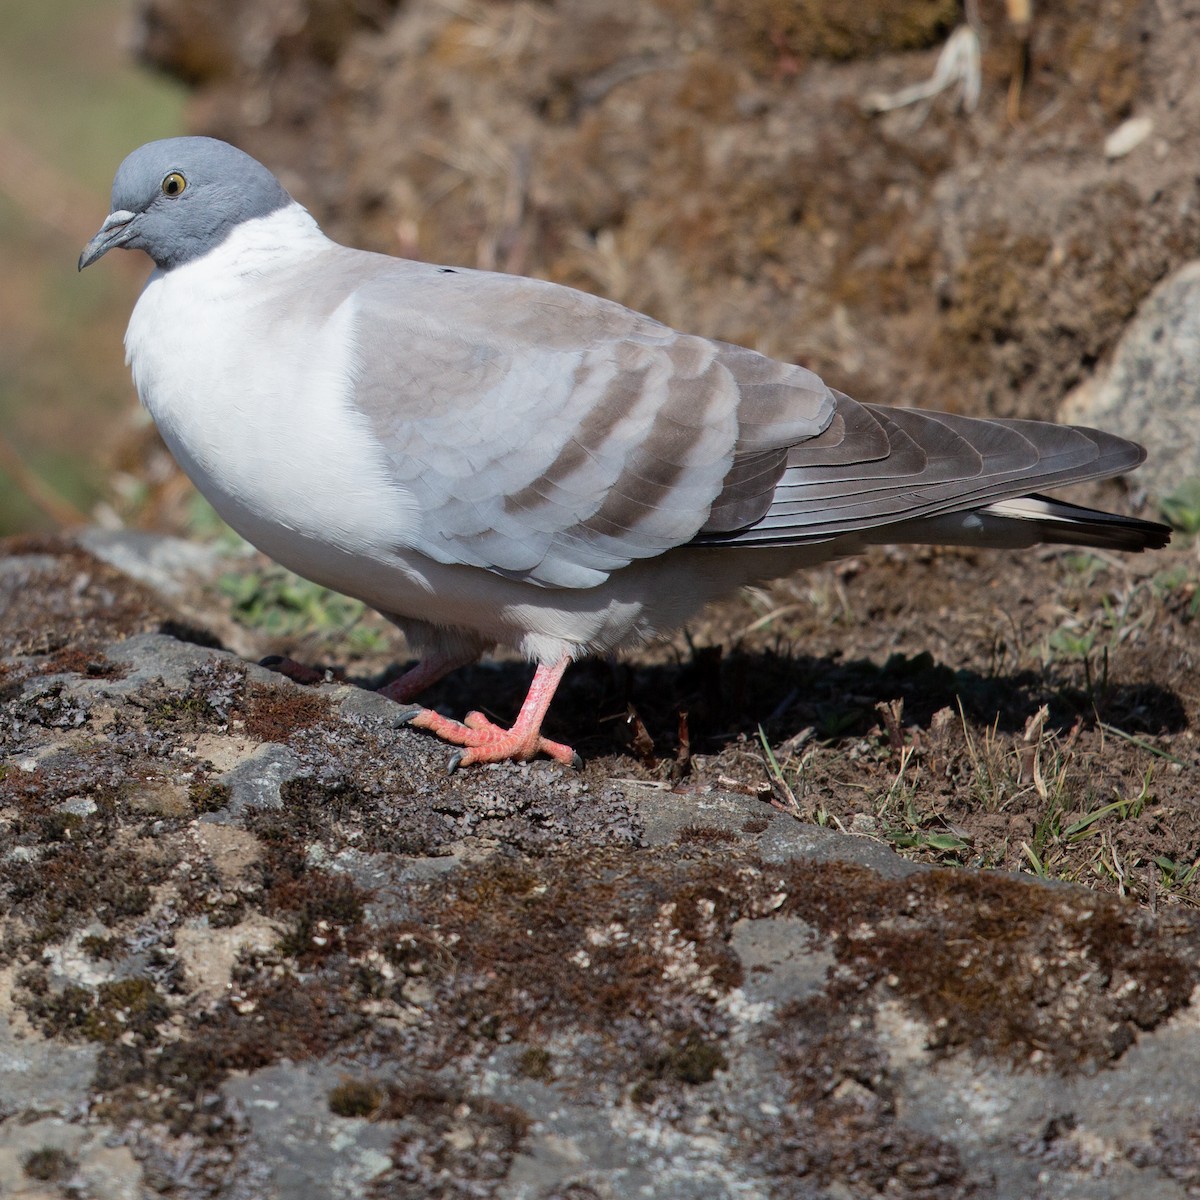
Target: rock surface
257 943
1151 392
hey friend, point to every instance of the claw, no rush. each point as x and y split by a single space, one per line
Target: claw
454 761
407 713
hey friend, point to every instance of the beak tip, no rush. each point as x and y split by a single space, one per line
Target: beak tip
93 250
114 232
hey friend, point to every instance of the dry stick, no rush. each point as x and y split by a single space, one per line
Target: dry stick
58 509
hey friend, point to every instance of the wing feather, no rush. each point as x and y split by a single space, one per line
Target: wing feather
552 436
876 466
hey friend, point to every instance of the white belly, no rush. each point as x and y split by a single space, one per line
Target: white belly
289 463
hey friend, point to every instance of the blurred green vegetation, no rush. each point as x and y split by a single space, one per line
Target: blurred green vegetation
73 103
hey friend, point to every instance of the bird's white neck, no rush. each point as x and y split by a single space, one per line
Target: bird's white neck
257 245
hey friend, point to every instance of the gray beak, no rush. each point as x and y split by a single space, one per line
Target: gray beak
115 231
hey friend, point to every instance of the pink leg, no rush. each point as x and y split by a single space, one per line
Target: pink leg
485 742
425 674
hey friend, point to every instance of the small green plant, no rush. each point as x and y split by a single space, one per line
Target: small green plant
283 605
1182 507
1176 876
912 834
905 825
1071 641
1179 583
1124 810
275 601
788 777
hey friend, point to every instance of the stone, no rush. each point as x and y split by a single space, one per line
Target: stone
1151 390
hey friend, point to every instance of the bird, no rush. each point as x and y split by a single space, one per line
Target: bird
494 460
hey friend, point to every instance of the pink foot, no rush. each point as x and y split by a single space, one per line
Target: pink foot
484 742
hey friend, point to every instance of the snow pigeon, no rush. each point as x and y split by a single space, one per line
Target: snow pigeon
493 460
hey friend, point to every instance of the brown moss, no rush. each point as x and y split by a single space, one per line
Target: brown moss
269 1015
1101 57
709 87
182 712
207 796
692 1060
536 1063
48 1164
707 835
123 1007
448 1132
61 1014
117 1009
325 913
60 826
991 291
102 948
76 661
887 266
357 1098
273 714
999 967
72 884
69 607
519 950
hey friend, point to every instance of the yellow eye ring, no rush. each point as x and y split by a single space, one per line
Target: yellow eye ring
173 184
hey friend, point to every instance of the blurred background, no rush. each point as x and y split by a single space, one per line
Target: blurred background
959 205
73 101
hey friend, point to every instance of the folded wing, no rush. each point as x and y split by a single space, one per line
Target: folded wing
555 437
875 467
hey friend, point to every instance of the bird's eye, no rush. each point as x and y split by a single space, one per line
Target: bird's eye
173 184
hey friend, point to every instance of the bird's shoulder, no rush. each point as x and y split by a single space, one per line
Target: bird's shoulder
513 313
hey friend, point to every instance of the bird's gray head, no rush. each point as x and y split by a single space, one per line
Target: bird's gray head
178 198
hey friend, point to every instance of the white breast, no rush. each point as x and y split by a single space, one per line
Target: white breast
251 393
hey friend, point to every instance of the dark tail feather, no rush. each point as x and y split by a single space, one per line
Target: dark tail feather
1072 525
1027 521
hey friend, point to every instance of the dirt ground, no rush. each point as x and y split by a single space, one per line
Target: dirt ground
980 710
